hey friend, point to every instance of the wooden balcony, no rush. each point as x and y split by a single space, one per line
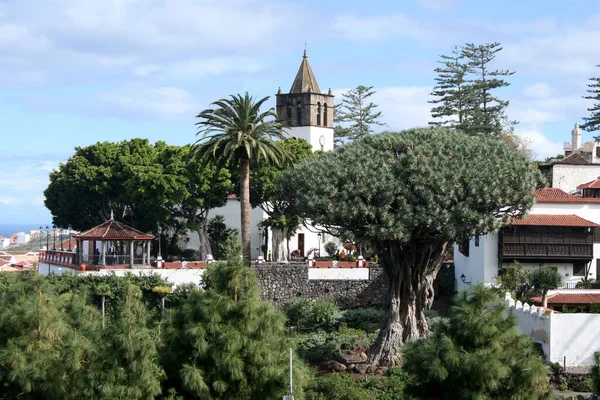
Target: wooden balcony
546 244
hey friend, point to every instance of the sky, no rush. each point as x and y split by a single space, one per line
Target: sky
75 72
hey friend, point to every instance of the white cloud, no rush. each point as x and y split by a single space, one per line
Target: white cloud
440 5
541 145
10 200
379 27
538 90
166 102
200 68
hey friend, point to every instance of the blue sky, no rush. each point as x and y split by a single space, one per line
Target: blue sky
74 72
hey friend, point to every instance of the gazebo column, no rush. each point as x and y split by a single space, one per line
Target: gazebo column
103 253
131 253
148 244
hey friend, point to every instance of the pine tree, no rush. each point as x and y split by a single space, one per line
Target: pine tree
357 114
455 93
488 113
225 343
476 354
465 91
592 123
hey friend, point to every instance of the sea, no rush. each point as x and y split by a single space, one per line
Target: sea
8 229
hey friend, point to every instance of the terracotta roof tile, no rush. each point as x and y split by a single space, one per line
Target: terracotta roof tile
554 195
113 230
571 298
573 159
553 220
595 184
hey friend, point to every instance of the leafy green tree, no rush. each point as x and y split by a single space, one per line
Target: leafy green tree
543 280
477 354
357 114
413 193
592 122
596 373
225 343
238 133
221 237
125 178
198 188
278 205
453 91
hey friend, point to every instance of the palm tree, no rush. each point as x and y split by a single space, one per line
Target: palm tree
236 132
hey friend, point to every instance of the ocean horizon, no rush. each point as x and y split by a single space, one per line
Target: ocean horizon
8 229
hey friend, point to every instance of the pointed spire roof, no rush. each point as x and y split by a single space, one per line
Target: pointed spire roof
305 81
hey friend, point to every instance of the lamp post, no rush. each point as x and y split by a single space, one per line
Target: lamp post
463 278
61 238
47 237
159 235
319 236
53 237
41 227
70 228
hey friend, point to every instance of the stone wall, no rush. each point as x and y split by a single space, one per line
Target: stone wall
281 283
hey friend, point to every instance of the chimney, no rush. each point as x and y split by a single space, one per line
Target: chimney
575 138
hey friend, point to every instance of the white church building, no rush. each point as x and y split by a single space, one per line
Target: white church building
307 114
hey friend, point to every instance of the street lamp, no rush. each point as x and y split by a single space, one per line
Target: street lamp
463 278
159 235
319 235
41 227
47 237
70 228
61 238
53 237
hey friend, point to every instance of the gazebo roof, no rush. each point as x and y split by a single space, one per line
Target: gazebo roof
113 230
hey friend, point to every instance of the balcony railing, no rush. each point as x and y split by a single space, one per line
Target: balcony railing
547 250
58 257
69 258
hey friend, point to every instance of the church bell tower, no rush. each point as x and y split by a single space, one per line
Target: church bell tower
305 112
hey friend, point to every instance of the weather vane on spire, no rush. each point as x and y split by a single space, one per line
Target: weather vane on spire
304 50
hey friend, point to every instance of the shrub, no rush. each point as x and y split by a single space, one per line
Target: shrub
596 373
367 319
337 387
330 248
303 313
322 346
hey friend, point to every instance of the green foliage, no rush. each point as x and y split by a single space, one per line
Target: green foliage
516 280
596 373
221 237
322 346
592 122
304 313
356 115
478 353
367 319
344 386
330 248
225 343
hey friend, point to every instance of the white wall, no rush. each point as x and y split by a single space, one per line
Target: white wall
589 211
568 177
312 135
565 270
482 264
564 337
4 243
354 274
175 276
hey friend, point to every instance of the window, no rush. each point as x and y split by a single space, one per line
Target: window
477 240
289 112
597 151
579 268
325 114
318 113
463 247
299 114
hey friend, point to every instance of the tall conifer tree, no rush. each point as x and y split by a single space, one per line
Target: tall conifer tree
357 114
592 123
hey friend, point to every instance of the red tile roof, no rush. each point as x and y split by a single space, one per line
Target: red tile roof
571 298
553 220
113 230
595 184
573 159
554 195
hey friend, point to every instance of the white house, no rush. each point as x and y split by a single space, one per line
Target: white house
562 231
4 242
307 114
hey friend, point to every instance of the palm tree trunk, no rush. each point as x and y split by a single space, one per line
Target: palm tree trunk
245 207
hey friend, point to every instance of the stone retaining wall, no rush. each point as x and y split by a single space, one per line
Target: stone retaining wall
281 283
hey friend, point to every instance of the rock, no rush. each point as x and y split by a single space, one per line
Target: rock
381 371
361 368
351 367
371 369
364 355
336 366
351 357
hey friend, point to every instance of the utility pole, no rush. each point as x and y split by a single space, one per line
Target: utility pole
289 396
